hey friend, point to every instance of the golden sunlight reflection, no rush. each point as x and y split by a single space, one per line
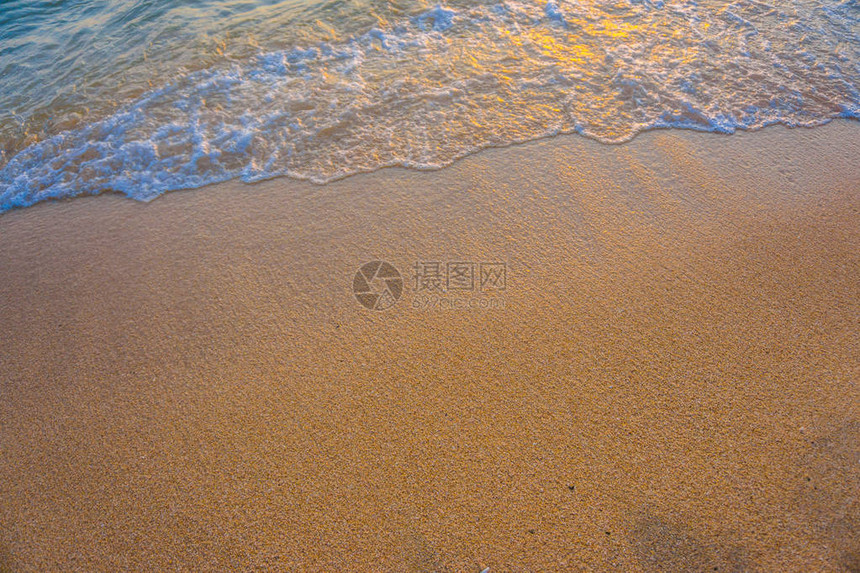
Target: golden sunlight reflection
325 89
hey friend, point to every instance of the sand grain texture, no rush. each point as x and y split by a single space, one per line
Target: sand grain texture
671 386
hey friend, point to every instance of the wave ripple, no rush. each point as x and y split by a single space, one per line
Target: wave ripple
429 89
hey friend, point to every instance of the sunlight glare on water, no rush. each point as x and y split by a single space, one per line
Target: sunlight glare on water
147 97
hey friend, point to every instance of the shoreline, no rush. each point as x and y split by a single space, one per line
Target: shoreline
465 155
671 383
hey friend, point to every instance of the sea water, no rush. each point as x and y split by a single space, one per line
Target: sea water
147 96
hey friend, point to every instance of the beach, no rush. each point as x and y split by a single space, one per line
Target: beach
666 380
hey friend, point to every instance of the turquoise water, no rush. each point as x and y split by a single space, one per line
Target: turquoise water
144 97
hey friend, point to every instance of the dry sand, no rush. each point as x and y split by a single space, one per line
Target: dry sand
672 384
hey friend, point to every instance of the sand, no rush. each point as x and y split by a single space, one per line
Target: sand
669 381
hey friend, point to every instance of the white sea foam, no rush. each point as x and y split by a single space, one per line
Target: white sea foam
429 89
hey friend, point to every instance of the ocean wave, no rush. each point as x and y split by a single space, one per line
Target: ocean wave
432 88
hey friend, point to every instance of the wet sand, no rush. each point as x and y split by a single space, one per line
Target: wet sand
668 382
